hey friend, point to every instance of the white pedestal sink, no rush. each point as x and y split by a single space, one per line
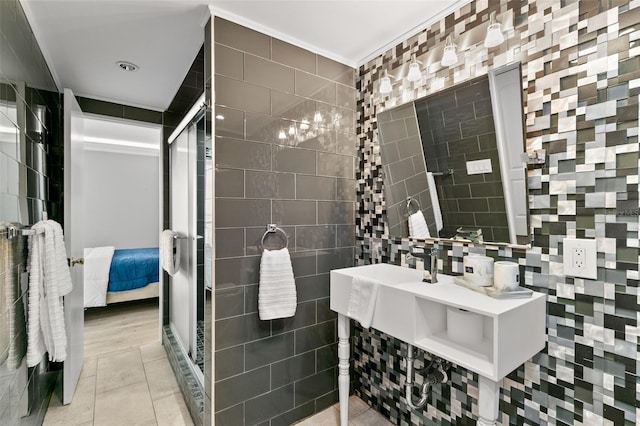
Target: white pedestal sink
406 308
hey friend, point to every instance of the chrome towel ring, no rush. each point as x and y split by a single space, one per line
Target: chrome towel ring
273 228
410 201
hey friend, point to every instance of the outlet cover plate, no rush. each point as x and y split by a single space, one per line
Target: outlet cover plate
590 270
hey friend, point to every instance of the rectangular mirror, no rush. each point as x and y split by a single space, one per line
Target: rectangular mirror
454 162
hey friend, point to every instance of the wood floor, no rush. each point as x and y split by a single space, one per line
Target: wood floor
126 378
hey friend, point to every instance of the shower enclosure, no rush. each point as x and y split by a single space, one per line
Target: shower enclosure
187 193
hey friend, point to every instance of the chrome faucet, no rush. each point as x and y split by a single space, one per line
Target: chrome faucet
425 253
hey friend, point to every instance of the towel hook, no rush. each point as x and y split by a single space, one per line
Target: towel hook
412 200
273 228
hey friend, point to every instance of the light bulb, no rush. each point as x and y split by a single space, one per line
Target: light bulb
281 134
449 56
385 84
414 72
219 117
317 117
292 130
494 35
304 124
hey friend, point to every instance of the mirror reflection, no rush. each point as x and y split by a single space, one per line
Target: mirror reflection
454 163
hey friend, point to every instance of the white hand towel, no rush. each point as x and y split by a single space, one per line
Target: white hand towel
49 280
277 291
435 201
362 300
418 226
170 251
97 264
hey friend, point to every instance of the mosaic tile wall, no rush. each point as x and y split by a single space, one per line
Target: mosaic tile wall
581 76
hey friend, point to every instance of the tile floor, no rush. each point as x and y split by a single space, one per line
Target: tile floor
126 378
360 414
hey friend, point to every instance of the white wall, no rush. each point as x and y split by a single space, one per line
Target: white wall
121 192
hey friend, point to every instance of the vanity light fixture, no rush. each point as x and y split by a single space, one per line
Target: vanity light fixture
449 56
494 35
385 83
317 117
282 135
414 70
292 130
304 124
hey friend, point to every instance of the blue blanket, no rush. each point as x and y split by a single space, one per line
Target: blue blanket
134 268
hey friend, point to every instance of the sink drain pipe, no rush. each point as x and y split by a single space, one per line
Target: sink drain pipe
431 378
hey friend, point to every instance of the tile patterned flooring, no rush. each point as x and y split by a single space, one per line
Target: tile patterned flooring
360 414
126 378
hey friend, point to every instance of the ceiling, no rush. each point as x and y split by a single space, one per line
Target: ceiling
83 39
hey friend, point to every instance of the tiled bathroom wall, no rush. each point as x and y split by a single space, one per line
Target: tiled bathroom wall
581 79
30 141
285 154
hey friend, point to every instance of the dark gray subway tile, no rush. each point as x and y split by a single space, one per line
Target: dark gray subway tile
264 128
292 107
242 154
323 313
315 237
410 147
292 369
237 330
336 71
311 86
315 336
241 38
320 139
335 259
232 123
229 362
327 400
233 416
268 74
314 386
345 235
233 212
229 182
346 97
303 263
346 189
241 95
347 143
316 188
264 407
229 302
251 298
286 159
336 212
269 185
241 388
293 56
305 316
229 62
326 357
312 287
393 131
335 165
292 416
269 350
237 271
294 212
229 242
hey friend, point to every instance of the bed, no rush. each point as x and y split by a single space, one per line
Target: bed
113 276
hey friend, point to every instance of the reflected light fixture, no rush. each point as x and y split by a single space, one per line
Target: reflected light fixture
317 117
304 124
449 56
292 130
219 117
494 35
414 70
282 134
385 83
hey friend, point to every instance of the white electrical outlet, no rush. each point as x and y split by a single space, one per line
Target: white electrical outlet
580 258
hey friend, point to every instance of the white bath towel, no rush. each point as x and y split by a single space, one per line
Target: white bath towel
435 202
170 251
97 264
277 291
362 300
49 280
418 226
